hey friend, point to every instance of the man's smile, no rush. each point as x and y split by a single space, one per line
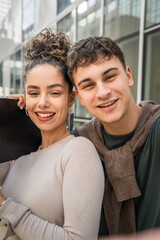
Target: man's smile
104 105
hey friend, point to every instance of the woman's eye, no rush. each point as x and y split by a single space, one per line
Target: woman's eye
55 93
33 93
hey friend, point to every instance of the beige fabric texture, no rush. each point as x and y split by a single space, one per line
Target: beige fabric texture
55 193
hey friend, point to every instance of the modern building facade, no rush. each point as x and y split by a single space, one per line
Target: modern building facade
133 24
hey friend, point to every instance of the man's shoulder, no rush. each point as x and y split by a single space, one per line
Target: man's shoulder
83 130
75 132
155 130
153 138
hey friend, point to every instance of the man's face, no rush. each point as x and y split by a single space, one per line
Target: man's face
104 89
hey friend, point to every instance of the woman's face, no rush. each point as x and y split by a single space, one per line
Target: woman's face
47 97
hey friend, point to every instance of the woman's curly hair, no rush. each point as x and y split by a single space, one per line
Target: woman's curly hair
48 47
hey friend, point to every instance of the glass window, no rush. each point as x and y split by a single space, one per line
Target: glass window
152 69
24 62
78 124
12 74
88 14
152 12
130 50
45 12
15 73
81 111
0 74
10 26
16 21
1 80
28 18
5 11
6 77
18 72
63 4
121 17
66 25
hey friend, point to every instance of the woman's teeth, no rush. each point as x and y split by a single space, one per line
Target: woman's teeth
45 115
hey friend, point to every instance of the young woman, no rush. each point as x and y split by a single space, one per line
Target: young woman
56 192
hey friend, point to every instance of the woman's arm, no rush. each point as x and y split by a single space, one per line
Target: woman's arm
82 186
4 168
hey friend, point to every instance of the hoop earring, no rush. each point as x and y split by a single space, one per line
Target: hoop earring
26 111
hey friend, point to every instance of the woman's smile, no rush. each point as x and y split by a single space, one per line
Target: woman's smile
45 115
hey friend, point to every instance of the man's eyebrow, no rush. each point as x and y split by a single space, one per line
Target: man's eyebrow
104 73
49 86
83 81
108 70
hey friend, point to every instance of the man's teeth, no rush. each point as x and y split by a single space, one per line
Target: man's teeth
45 115
107 104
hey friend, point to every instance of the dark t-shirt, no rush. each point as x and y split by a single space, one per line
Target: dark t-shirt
147 167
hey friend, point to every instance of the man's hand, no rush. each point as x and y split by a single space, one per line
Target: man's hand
21 100
153 234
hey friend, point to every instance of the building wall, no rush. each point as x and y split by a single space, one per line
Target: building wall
133 24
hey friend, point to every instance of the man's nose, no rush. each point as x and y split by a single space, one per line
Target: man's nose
102 91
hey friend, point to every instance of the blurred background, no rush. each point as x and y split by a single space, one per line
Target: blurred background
133 24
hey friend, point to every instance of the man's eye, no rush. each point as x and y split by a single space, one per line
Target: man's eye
89 85
110 77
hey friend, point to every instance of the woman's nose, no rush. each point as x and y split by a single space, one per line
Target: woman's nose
43 102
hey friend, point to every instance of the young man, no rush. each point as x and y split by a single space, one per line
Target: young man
126 135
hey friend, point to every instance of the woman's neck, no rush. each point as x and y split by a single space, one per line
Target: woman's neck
49 138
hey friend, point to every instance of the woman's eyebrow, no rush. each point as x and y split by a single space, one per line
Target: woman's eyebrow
50 86
32 86
54 85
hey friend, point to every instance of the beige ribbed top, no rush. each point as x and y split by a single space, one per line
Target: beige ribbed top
60 191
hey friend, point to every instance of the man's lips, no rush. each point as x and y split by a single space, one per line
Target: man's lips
108 104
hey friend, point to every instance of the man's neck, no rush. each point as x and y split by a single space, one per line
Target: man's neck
125 125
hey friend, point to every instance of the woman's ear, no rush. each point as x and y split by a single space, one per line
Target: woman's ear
72 98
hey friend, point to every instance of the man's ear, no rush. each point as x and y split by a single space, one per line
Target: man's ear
129 76
72 98
79 97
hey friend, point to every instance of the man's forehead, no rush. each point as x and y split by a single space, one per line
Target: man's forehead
105 62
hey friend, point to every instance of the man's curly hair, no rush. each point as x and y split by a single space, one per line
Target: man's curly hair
92 50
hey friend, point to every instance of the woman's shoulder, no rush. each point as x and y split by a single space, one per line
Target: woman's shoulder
80 149
79 154
79 142
24 159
